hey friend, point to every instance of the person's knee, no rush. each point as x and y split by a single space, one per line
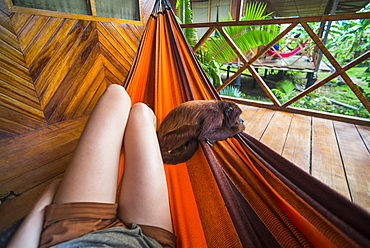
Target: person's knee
142 111
118 94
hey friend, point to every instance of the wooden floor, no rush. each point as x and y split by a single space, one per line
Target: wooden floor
336 153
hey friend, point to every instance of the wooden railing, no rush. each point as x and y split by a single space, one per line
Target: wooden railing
247 64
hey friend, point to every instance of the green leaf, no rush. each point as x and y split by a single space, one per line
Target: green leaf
245 37
232 91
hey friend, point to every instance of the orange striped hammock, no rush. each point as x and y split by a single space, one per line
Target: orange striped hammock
239 193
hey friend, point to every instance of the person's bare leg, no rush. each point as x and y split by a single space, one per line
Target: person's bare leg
92 173
144 196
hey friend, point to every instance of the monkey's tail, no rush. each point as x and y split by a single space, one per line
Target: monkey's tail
180 154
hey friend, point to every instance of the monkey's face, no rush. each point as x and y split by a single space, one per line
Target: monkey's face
231 115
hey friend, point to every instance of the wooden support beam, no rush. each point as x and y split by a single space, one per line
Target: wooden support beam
238 13
337 66
93 7
273 42
203 39
317 85
304 19
308 112
247 64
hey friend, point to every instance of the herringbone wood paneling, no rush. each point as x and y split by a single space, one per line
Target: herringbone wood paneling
52 72
49 66
20 110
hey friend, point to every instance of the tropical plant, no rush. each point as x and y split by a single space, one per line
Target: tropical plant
245 37
284 90
349 39
185 16
232 91
210 67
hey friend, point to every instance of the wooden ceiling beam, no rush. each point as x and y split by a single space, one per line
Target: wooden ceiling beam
319 18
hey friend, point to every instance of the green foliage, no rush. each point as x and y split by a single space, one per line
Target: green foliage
232 91
284 90
285 86
336 98
210 67
186 17
245 37
349 39
215 73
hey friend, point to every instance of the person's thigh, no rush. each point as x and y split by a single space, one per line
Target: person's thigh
92 173
144 196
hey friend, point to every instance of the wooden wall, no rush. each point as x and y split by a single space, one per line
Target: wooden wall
52 72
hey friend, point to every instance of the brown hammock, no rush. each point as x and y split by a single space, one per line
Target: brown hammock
239 193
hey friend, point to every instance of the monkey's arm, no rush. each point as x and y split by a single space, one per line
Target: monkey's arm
178 137
210 126
222 133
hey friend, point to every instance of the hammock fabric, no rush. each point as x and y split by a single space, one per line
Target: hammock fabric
274 53
239 193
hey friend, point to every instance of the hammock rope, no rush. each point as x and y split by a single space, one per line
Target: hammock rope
239 193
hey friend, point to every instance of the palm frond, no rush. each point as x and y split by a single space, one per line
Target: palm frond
245 37
222 52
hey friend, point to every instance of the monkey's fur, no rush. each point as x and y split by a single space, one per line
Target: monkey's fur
194 121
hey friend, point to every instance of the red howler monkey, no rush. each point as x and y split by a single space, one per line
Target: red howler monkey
194 121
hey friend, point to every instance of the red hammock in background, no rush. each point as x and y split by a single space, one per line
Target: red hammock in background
239 193
276 54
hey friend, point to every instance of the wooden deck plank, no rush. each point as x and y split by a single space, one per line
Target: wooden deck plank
298 143
327 164
276 132
113 74
356 159
365 135
99 92
248 113
113 69
22 94
31 158
257 126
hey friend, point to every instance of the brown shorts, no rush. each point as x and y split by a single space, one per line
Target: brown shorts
67 221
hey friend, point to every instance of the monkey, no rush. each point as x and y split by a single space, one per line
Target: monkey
195 121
